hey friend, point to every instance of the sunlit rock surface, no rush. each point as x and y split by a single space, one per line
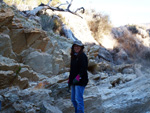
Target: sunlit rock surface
34 69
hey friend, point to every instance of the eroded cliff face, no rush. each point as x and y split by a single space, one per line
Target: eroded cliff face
34 70
21 30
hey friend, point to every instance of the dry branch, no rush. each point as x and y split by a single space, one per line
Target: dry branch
47 6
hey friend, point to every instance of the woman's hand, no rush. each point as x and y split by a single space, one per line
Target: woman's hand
77 79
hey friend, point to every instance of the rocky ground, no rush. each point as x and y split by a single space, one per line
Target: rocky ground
34 69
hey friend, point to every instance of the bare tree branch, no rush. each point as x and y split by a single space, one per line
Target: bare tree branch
49 3
69 5
63 4
47 6
83 10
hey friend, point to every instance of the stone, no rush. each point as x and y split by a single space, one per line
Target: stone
23 33
5 60
93 51
46 63
65 105
13 67
128 77
50 109
127 71
120 68
23 83
58 79
121 56
6 15
92 63
105 54
40 62
137 69
6 78
34 38
6 47
30 74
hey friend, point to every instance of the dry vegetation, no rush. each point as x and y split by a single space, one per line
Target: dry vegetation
52 22
29 4
98 23
135 41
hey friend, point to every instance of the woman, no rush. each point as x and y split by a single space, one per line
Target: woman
78 78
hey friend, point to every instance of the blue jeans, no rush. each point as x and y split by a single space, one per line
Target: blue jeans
0 105
77 98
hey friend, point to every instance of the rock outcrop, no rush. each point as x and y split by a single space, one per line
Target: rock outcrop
34 70
22 31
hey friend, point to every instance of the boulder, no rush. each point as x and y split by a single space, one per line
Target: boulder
30 74
40 62
57 79
23 83
6 60
123 67
25 38
10 74
105 54
65 105
119 32
128 71
9 78
27 100
93 52
24 33
6 47
47 63
121 56
127 94
48 108
6 78
6 15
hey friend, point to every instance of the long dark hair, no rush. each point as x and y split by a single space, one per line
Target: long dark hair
72 51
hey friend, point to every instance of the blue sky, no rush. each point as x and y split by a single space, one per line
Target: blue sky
121 12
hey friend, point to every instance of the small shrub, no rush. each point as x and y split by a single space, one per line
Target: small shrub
51 23
62 19
57 25
133 29
18 70
146 54
47 22
99 24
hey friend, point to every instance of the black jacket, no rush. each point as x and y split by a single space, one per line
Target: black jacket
79 65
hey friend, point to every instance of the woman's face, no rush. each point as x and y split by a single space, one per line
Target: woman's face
77 48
